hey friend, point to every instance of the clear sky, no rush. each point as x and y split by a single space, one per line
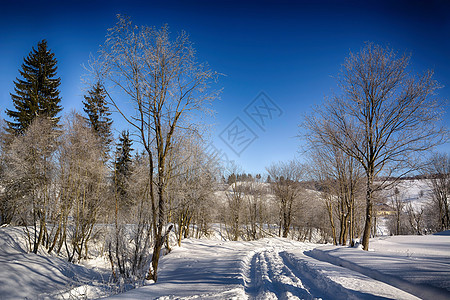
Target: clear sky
289 50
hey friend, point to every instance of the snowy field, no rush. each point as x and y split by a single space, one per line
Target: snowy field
402 267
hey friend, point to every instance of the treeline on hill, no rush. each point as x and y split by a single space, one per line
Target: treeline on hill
68 181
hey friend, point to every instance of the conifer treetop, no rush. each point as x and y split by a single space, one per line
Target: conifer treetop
95 106
36 93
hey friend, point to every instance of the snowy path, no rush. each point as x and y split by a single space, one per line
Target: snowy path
272 277
267 269
290 274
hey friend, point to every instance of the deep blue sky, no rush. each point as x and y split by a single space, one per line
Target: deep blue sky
290 50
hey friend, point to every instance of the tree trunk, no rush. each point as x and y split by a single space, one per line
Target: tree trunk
158 238
352 222
342 219
286 224
40 236
369 211
333 228
345 229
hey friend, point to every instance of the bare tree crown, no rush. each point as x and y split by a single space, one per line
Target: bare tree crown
384 115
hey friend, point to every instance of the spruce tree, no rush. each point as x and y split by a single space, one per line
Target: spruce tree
36 94
98 114
123 165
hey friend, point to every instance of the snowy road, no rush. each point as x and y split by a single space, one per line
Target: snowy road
272 277
267 269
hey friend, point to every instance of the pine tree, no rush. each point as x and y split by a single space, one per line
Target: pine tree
123 165
37 93
98 114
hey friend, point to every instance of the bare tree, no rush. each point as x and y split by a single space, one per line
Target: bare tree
130 239
330 200
7 202
438 172
191 188
30 178
165 85
398 205
340 178
415 218
256 211
384 117
83 183
285 185
233 211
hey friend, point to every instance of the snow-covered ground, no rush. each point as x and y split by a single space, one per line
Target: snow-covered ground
419 265
26 275
277 268
402 267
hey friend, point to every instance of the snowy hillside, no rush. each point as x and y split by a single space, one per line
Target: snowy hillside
416 192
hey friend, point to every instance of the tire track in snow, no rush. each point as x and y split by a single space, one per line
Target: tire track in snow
271 278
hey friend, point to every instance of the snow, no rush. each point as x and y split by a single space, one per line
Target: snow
416 192
419 265
43 276
397 267
273 268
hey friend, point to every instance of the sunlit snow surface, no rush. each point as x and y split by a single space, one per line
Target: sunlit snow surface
417 264
41 276
279 269
403 267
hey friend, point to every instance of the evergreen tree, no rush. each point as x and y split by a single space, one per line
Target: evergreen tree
37 93
98 114
123 165
232 178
